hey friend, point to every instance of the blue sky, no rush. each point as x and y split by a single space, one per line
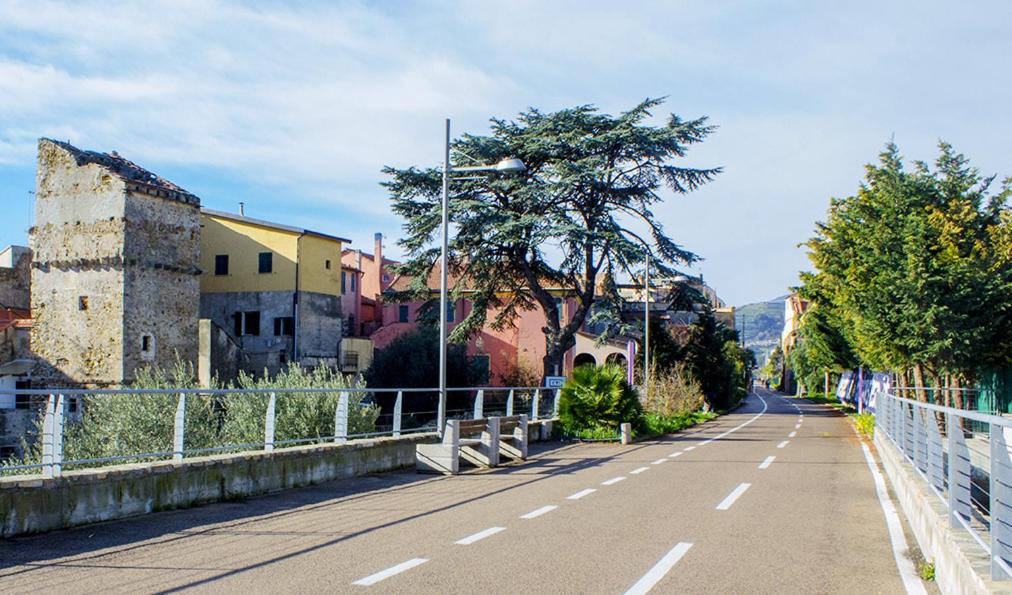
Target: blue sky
294 108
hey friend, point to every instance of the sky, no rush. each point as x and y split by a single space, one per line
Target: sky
294 108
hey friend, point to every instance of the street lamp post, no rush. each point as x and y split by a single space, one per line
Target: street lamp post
507 166
646 331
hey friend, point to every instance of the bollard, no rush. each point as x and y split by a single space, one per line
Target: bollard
398 408
479 405
269 420
626 429
179 429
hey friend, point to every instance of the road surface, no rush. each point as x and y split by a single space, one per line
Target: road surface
776 497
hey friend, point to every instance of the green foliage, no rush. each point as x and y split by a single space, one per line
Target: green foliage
132 424
912 270
865 424
821 347
656 424
717 362
300 416
421 348
590 178
598 398
926 571
773 367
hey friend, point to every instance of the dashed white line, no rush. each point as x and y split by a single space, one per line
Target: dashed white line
738 491
659 461
783 444
536 513
613 480
792 434
675 455
657 572
480 535
767 462
581 494
372 579
797 425
689 448
639 470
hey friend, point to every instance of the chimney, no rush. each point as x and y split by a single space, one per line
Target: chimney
378 254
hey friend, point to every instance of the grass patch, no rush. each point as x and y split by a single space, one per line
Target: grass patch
865 423
657 424
926 571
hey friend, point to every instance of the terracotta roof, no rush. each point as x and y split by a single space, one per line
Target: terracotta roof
126 170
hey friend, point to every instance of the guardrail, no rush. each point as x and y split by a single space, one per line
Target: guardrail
964 457
538 402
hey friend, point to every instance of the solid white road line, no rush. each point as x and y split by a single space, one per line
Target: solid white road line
675 454
899 541
743 424
783 444
738 491
536 513
613 480
581 494
372 579
655 574
689 448
792 434
639 470
480 535
659 461
767 462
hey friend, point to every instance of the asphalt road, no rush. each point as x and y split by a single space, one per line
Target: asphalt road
776 497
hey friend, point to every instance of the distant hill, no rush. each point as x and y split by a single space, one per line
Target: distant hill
763 322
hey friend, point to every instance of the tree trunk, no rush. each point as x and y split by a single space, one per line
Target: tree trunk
948 393
957 395
938 394
922 395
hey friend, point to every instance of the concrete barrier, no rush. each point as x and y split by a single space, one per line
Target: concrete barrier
32 504
961 564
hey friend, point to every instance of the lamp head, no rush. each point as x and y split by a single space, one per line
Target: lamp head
511 166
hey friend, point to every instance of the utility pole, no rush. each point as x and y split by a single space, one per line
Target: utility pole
646 331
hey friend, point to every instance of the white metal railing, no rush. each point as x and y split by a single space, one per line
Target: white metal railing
483 401
965 459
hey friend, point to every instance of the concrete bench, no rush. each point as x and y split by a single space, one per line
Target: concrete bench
475 441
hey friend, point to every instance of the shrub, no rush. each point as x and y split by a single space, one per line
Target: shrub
673 391
598 399
865 424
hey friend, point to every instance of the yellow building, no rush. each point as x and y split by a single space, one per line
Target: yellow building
274 289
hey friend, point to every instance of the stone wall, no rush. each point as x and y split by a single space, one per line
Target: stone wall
114 258
161 282
320 328
15 281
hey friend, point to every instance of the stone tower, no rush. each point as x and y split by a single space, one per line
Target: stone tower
115 276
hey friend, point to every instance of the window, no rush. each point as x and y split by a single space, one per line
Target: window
146 343
558 308
344 282
22 401
147 347
284 326
353 277
451 311
221 264
326 264
247 323
349 361
266 262
402 313
82 302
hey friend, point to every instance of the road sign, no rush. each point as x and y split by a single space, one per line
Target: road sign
554 381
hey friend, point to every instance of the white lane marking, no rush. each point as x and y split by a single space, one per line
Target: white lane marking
689 448
767 462
372 579
899 542
480 535
783 444
536 513
581 494
655 574
705 442
738 491
797 425
613 480
659 461
675 455
745 423
639 470
792 434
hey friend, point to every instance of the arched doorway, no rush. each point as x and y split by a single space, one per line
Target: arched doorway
616 359
583 359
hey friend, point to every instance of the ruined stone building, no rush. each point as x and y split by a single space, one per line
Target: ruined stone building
275 289
115 277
